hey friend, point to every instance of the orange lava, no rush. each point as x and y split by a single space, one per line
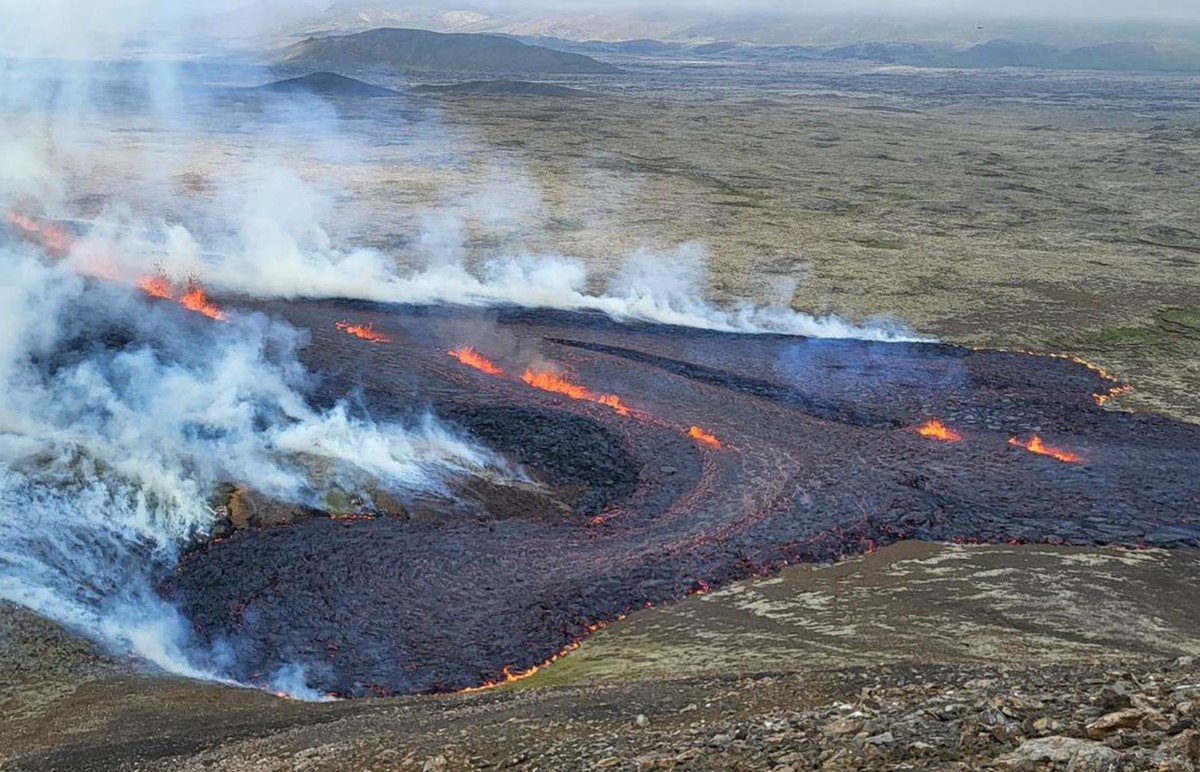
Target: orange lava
553 382
196 299
703 437
1115 391
156 286
1037 445
364 331
511 675
53 237
472 358
936 430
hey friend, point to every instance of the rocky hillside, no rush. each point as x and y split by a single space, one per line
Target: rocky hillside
420 50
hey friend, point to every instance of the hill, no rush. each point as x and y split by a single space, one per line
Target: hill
328 84
420 50
501 88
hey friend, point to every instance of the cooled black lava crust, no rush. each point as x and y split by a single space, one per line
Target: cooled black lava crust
821 461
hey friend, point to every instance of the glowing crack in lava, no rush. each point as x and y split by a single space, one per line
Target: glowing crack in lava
364 331
936 430
472 358
1037 445
558 384
704 438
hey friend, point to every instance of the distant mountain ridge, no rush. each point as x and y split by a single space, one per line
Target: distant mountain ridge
683 23
420 50
1117 55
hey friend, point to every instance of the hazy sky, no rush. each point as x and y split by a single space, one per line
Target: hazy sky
1084 9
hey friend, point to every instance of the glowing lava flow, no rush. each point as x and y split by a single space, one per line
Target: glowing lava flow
552 382
703 437
52 237
1036 445
936 430
472 358
157 286
511 675
364 331
196 299
1115 391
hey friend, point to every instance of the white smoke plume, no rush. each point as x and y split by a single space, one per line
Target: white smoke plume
120 417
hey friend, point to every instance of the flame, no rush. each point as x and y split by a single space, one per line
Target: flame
552 382
936 430
1037 445
156 286
706 438
196 299
364 331
472 358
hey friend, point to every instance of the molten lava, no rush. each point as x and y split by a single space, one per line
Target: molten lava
156 286
703 437
1115 391
196 299
364 331
936 430
558 384
51 236
472 358
511 674
1037 445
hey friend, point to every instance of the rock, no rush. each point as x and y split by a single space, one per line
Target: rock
653 761
1182 725
1184 746
842 726
1111 722
436 764
642 721
1080 755
608 763
1047 725
879 740
1118 696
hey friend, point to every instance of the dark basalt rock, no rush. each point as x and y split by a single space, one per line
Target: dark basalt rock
820 461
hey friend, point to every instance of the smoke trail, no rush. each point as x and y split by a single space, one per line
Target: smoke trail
279 249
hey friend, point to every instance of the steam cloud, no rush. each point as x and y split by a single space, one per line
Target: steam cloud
121 417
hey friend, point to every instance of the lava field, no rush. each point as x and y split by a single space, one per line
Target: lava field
668 461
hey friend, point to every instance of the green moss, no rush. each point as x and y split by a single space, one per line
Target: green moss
882 243
1183 317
